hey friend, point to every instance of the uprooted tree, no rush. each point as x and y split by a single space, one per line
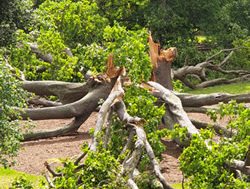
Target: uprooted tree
124 144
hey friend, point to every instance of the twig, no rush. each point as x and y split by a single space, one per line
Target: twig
79 158
49 168
132 184
51 185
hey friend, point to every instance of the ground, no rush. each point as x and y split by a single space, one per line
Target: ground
33 154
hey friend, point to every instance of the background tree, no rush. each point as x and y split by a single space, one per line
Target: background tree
13 15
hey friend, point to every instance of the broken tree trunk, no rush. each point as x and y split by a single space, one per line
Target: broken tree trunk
130 163
177 114
161 61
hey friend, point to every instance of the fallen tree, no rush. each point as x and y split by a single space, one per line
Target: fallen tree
199 71
78 101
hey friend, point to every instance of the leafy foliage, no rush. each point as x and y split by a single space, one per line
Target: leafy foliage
21 183
128 47
206 168
13 14
100 170
76 21
11 96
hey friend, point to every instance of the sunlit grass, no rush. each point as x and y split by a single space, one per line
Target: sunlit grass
177 186
7 176
236 88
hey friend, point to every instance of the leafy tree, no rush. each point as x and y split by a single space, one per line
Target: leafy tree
13 14
76 21
128 13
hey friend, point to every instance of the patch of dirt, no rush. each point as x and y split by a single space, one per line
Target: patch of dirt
33 154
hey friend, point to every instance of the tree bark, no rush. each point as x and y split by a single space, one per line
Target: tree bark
66 91
176 111
68 129
85 105
210 99
200 69
161 61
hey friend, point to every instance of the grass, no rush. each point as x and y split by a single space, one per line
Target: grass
7 176
177 186
236 88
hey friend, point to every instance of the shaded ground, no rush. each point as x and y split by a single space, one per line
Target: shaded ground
33 154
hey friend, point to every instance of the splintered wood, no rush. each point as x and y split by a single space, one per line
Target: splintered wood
161 61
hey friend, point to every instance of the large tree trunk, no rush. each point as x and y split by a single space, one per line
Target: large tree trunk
161 61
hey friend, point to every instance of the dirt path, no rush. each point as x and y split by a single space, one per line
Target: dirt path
34 153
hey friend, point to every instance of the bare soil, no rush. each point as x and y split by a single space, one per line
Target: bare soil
33 154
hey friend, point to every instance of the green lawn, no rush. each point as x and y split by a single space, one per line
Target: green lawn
235 88
7 176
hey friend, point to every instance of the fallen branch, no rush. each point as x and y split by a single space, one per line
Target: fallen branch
67 92
189 100
222 131
49 168
202 110
200 69
83 106
239 165
178 115
131 163
43 102
66 130
45 57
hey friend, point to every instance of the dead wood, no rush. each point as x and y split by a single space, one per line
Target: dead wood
161 61
210 99
222 131
220 81
175 110
177 113
45 57
202 109
103 116
66 130
37 101
130 163
239 165
83 106
66 92
200 69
